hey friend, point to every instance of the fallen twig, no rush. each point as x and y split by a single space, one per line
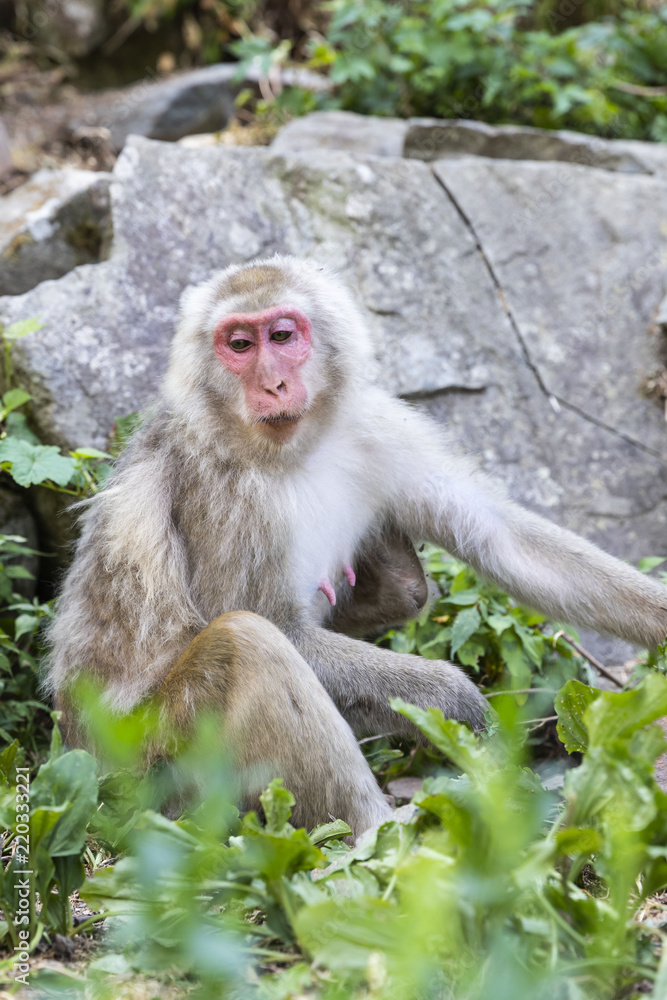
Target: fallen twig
637 90
536 723
600 667
496 694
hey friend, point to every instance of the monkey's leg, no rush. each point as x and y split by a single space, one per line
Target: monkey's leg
278 720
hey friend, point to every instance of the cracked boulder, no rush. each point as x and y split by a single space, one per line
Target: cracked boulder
514 300
56 221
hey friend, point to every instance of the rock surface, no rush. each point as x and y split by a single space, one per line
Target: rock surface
343 130
54 222
516 301
435 139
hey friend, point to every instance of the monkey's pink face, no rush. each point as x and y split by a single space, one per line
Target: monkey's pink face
266 352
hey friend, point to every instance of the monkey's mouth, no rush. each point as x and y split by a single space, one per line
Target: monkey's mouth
280 420
279 427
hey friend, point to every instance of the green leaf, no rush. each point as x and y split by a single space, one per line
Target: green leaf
277 802
571 703
123 429
453 738
90 453
12 399
69 873
533 644
273 855
463 598
618 715
329 831
16 425
33 464
21 329
649 563
578 840
512 652
69 780
341 934
8 759
499 623
470 652
466 623
18 573
42 821
25 625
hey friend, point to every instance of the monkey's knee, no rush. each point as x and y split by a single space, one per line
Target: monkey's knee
239 658
200 677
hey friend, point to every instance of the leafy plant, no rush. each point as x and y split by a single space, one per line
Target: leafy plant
23 456
62 800
478 626
22 713
454 59
495 884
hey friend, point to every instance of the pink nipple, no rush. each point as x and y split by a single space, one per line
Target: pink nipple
328 591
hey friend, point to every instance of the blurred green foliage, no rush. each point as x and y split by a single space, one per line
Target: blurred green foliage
490 62
495 888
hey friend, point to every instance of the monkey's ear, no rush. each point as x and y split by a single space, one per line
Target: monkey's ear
196 304
188 301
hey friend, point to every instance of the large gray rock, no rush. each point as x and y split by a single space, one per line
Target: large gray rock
513 300
178 214
54 222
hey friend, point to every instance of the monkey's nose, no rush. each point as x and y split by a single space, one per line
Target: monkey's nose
273 388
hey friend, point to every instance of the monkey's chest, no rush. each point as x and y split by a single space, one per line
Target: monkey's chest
268 545
331 515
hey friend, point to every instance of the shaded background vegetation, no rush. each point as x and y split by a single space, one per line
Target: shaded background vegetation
595 65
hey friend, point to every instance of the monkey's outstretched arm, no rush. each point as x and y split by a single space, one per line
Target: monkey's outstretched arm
542 565
361 678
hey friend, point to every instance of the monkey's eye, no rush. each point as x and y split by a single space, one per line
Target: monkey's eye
240 345
281 335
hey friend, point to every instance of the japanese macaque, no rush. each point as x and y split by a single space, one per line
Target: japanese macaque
271 504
